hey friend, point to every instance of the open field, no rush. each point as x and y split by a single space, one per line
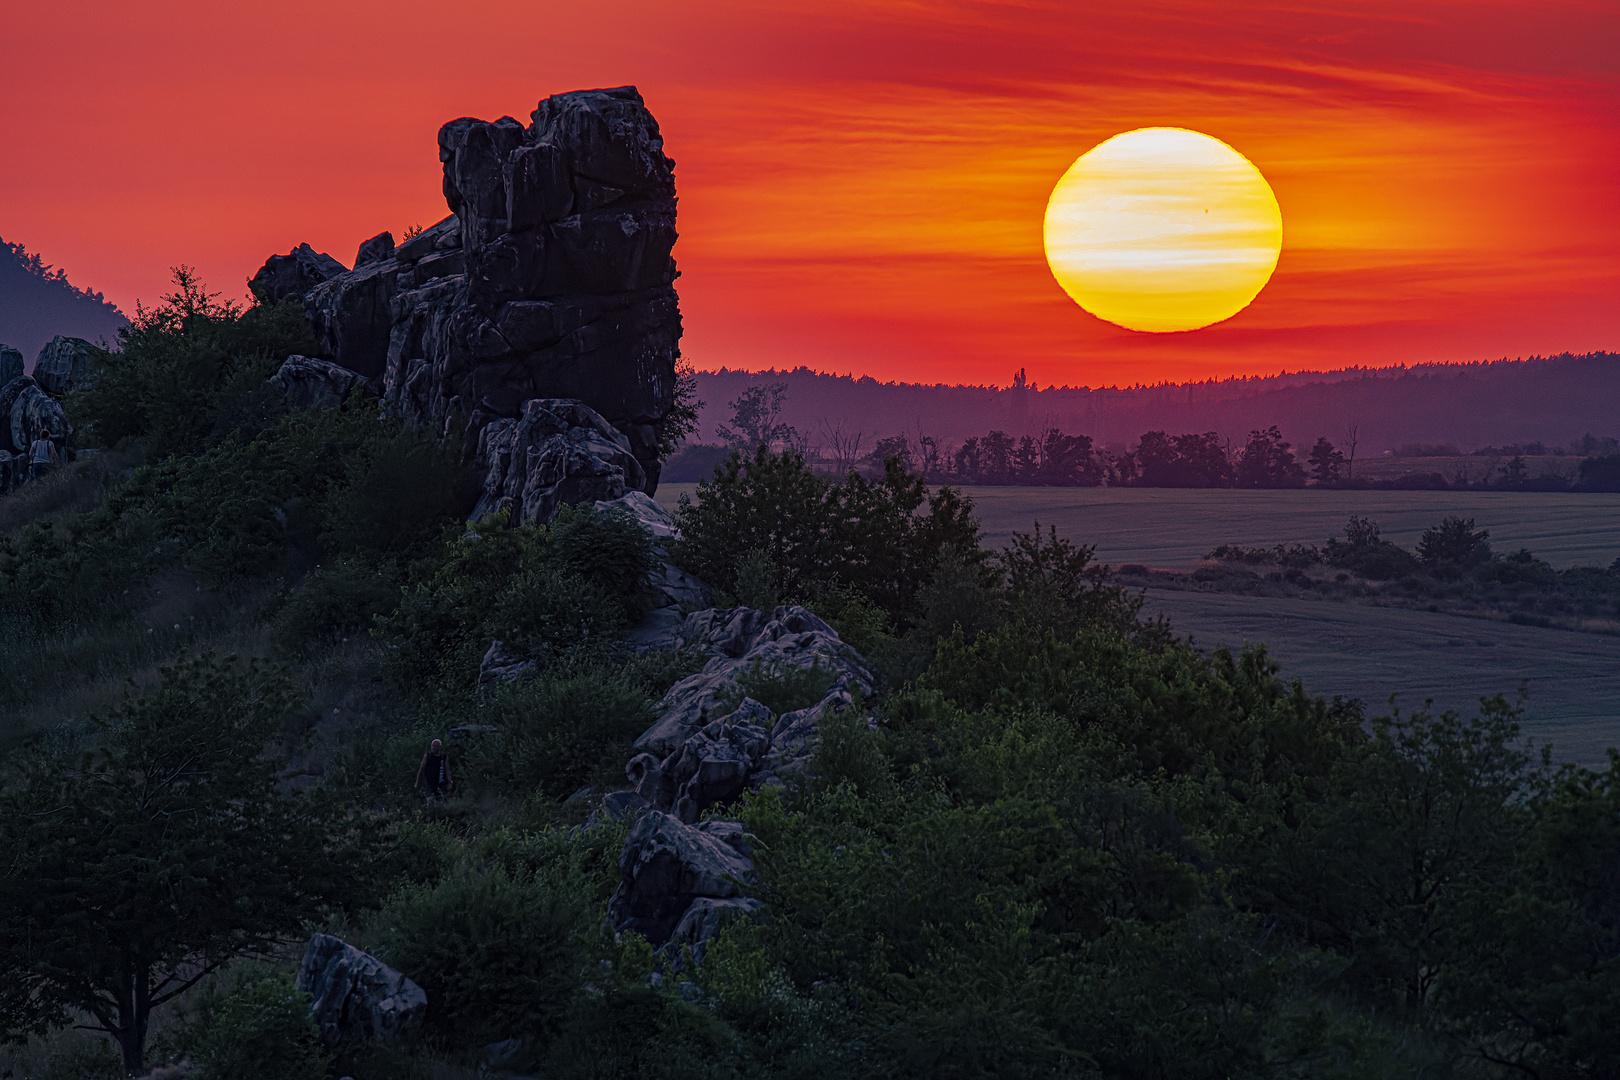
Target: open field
1173 527
1371 652
1356 649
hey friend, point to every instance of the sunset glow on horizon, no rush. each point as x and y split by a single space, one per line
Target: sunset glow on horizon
863 186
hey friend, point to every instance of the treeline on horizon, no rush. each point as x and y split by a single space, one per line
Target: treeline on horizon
1551 400
1056 458
38 302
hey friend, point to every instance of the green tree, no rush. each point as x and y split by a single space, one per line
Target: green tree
1454 542
756 419
136 866
1325 461
1268 462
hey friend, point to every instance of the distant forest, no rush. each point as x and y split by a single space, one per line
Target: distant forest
37 302
1455 407
1043 453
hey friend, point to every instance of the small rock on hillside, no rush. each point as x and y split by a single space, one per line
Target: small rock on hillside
355 996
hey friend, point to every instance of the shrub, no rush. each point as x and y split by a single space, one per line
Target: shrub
262 1030
335 600
496 952
1455 542
560 731
872 536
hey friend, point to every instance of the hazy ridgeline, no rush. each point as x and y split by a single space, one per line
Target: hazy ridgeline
1056 842
1551 400
37 303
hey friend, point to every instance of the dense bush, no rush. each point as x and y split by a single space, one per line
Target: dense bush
261 1030
495 952
875 536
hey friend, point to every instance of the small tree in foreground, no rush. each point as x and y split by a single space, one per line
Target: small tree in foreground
132 869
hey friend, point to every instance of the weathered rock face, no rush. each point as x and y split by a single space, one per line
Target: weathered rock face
26 411
376 249
738 640
11 364
293 274
552 279
558 452
668 864
308 382
63 364
355 996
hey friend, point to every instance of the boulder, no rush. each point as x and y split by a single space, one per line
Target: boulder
558 453
355 996
376 249
552 279
63 364
715 765
309 382
500 666
667 864
293 274
32 411
739 640
703 920
11 364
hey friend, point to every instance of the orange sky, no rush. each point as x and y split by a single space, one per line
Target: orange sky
862 184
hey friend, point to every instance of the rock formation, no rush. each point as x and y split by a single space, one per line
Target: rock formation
683 878
293 274
25 411
355 996
558 452
308 382
63 364
552 279
11 364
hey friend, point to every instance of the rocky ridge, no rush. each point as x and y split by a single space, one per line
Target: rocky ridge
552 278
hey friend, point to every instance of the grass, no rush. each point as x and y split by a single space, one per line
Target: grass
1370 652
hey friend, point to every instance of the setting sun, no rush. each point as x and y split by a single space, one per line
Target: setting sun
1163 229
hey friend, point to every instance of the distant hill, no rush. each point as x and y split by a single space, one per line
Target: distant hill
38 302
1553 400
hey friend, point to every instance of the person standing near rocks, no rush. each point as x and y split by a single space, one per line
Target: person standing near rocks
41 455
434 771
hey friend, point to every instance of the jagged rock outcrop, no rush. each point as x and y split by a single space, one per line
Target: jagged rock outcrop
708 746
552 278
308 382
11 364
376 249
739 640
26 411
559 452
668 864
355 996
293 274
63 364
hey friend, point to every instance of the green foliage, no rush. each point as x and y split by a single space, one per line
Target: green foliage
1453 542
189 369
681 419
495 951
197 855
1363 551
568 588
756 581
261 1030
560 730
781 688
876 537
338 599
1054 582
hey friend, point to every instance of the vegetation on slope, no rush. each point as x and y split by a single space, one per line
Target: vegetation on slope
1069 845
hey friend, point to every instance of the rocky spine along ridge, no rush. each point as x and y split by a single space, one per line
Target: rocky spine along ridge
553 278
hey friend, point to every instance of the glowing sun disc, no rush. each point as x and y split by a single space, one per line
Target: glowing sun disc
1163 229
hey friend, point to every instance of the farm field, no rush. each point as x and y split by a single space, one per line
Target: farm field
1174 527
1353 649
1357 650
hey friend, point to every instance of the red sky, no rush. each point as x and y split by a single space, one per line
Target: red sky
862 184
